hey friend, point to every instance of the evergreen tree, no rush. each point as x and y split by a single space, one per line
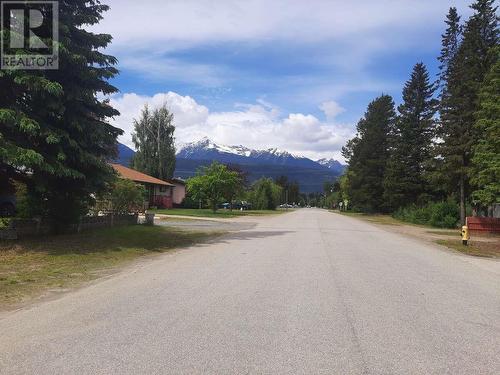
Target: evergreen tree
460 104
450 42
411 139
486 159
290 190
154 141
367 155
54 133
282 181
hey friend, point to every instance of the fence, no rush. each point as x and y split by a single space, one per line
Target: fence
483 224
19 228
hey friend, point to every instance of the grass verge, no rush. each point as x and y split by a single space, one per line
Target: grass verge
478 249
30 268
217 214
480 246
373 218
444 232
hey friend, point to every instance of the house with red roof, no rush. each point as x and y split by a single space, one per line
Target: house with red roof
160 193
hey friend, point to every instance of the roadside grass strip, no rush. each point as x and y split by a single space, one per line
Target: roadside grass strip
474 248
221 213
30 268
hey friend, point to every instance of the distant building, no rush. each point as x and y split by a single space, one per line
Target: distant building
179 190
160 193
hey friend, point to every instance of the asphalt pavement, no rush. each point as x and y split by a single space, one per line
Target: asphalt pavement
308 292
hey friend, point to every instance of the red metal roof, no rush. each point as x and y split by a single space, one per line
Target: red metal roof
132 174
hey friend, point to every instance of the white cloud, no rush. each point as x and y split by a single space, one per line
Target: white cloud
198 21
254 125
331 109
153 37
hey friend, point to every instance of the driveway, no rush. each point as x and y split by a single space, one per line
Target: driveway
308 292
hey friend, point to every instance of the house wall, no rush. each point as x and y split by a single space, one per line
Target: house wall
179 192
158 198
166 193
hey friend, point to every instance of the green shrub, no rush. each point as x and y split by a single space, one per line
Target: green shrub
4 222
265 194
444 214
437 214
127 196
124 196
23 203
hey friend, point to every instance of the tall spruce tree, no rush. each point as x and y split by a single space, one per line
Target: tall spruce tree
367 155
410 142
154 141
450 42
54 133
460 104
486 152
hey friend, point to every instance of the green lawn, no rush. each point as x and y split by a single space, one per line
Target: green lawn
221 213
28 268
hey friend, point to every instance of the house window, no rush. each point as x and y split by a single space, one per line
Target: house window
163 189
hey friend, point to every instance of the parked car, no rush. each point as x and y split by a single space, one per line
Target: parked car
7 205
242 205
239 205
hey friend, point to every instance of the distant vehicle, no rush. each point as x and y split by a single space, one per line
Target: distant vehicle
7 205
240 205
243 205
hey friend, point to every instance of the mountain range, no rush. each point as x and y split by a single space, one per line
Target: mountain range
272 162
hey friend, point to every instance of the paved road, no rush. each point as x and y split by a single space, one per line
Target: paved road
309 292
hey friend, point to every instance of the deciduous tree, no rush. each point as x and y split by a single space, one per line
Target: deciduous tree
265 194
153 138
214 183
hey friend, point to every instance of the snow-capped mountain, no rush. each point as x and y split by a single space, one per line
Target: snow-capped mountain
271 163
205 149
332 164
205 146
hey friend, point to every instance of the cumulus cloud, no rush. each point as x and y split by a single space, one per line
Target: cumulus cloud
258 125
331 109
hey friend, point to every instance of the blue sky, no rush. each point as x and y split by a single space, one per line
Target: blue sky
296 75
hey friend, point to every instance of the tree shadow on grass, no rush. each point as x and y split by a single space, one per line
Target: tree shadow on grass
138 238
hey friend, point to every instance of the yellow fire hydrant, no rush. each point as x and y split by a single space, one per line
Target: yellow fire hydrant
465 235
